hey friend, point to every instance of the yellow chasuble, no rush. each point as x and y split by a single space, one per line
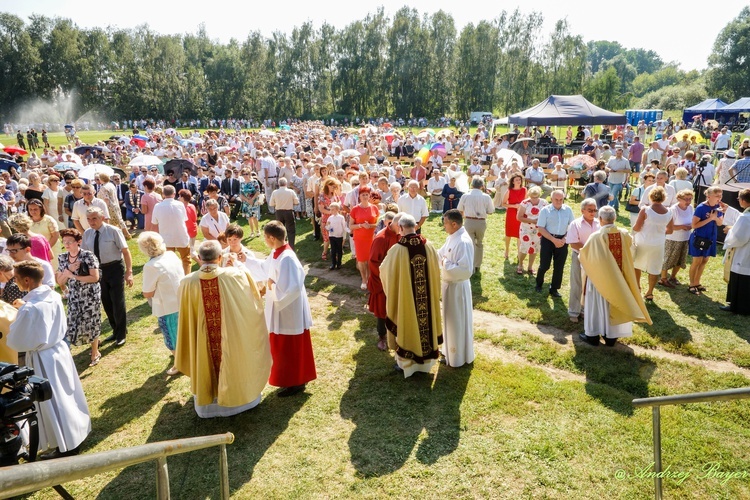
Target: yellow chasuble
7 316
222 339
411 281
607 261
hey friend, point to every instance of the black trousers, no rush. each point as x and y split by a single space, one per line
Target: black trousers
337 250
549 254
381 328
286 217
113 298
316 228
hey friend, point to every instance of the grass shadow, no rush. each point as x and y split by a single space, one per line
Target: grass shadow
665 328
196 474
390 412
614 375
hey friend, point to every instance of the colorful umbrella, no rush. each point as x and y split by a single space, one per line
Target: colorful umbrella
141 137
387 125
7 164
439 149
424 153
138 142
285 127
426 133
14 150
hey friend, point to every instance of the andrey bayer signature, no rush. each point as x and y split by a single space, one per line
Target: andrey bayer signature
709 470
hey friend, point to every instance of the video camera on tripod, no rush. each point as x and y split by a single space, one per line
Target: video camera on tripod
19 390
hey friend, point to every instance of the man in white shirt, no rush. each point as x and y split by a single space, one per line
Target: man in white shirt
414 204
661 180
80 207
435 188
268 175
283 200
535 175
170 216
476 206
619 170
723 140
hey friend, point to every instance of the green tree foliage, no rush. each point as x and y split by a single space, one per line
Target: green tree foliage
729 64
407 65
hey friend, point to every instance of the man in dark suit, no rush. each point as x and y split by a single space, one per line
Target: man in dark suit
209 179
230 188
122 191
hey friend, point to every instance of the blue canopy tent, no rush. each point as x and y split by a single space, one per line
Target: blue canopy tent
741 105
559 110
708 109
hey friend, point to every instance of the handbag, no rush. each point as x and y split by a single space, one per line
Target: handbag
633 207
701 243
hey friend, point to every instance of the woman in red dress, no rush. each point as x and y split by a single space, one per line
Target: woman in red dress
512 201
362 221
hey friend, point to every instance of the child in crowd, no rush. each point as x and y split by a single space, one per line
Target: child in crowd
336 227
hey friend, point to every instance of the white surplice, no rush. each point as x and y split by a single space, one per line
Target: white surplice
39 329
287 308
457 264
596 320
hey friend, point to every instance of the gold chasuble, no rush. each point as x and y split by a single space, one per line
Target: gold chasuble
222 339
7 316
608 262
411 282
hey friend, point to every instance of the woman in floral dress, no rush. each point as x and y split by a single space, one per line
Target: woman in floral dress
529 239
329 194
78 271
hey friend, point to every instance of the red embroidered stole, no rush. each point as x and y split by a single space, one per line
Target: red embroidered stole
615 246
212 311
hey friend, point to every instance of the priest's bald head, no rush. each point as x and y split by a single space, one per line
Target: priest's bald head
210 252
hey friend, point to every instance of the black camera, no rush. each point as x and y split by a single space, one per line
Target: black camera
19 389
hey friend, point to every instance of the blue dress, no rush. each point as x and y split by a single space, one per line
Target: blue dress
710 231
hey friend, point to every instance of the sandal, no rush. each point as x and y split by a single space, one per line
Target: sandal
666 283
700 287
531 272
519 270
324 256
674 281
649 298
694 290
96 360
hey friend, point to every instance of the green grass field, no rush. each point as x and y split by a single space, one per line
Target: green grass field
538 415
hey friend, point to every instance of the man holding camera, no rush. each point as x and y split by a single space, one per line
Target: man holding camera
39 329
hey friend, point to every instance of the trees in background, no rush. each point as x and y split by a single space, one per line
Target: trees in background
411 65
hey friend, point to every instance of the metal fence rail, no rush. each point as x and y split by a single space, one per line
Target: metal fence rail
695 397
30 477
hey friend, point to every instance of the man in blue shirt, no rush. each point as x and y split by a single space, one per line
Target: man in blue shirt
552 225
741 169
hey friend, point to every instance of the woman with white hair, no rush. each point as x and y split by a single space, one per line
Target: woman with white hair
161 279
529 237
214 221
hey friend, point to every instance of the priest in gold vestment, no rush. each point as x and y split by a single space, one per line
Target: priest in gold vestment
612 298
222 340
410 275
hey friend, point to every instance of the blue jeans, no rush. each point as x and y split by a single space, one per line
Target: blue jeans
615 190
635 166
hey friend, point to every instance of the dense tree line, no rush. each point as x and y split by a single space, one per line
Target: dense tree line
413 65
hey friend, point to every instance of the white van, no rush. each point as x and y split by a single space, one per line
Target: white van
478 116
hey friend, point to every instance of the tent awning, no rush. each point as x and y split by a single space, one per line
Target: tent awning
566 110
707 105
739 106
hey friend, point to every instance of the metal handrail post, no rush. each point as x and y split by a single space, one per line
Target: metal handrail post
224 472
162 479
656 416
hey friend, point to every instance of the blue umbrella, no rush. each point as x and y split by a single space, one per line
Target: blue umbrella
141 137
7 164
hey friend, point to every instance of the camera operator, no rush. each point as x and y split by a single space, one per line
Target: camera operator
39 329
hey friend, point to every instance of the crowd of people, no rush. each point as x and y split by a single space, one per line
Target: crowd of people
365 191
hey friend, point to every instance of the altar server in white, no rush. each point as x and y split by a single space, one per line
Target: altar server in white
39 329
456 265
287 315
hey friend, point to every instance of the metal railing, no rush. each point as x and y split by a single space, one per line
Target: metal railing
34 476
694 397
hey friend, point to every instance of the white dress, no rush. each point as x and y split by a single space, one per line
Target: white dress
596 320
456 258
650 240
52 212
